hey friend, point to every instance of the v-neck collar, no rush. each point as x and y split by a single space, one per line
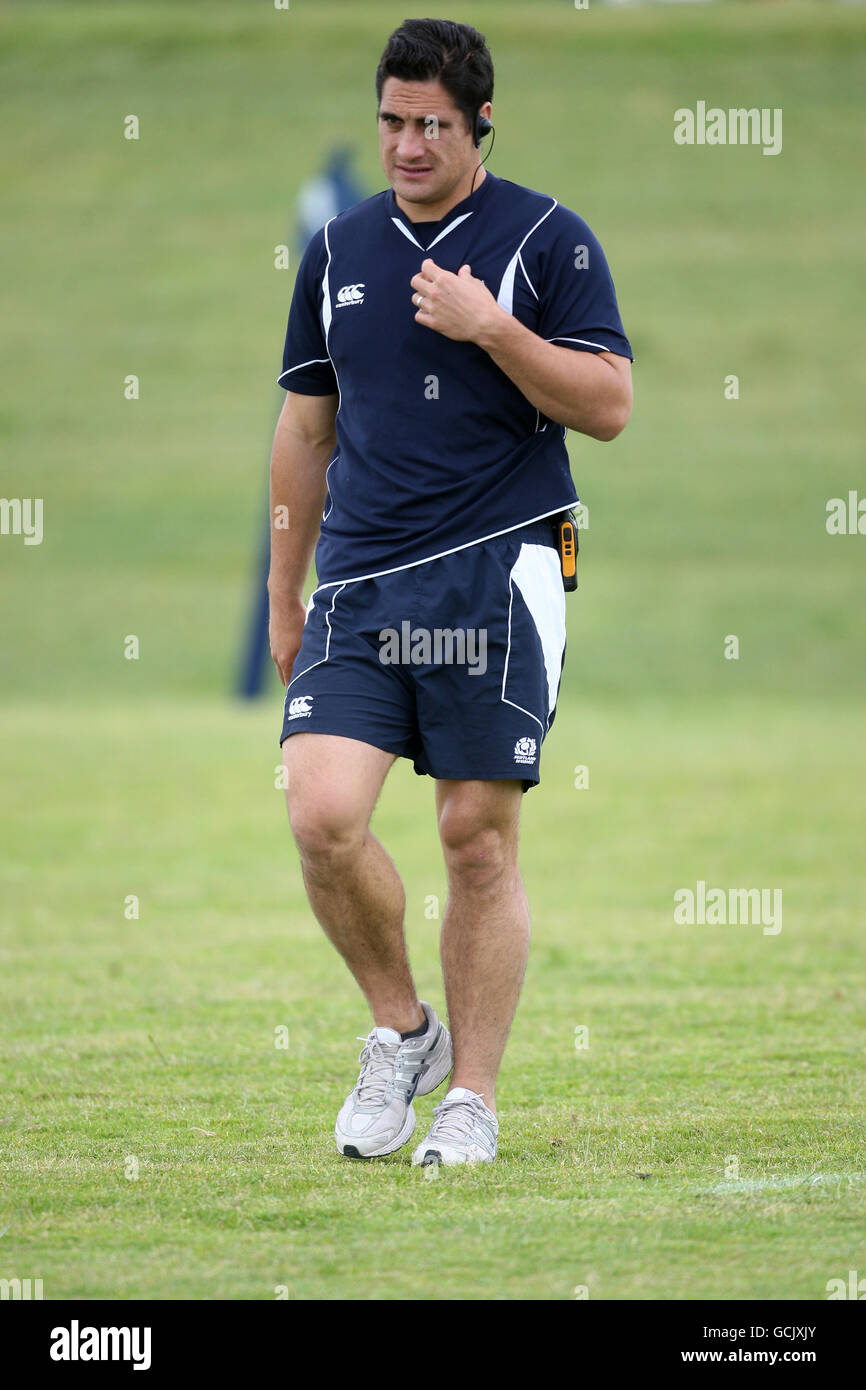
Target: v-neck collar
457 215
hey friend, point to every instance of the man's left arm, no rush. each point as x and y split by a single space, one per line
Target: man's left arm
585 391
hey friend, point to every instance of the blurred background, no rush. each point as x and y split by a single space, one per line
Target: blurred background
148 778
155 257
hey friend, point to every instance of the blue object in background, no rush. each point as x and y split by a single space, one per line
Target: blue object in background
323 197
320 199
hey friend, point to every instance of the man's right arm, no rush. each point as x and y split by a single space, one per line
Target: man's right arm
303 445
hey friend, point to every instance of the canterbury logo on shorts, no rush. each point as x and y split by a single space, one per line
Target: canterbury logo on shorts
299 708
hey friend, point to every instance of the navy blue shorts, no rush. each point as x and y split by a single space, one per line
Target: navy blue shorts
454 663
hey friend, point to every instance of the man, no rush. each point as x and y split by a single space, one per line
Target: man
443 335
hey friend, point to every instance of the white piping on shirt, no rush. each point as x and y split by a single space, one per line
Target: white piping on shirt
479 540
525 275
455 223
327 311
312 362
505 297
585 341
401 227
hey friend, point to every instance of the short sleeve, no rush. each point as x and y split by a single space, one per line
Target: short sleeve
307 367
577 297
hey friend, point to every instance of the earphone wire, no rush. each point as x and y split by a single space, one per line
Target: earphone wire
484 160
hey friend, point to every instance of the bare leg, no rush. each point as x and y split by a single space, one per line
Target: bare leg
485 931
352 884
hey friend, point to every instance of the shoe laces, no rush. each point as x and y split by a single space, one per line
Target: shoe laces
454 1120
377 1070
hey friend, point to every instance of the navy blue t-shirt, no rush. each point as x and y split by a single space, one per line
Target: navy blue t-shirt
436 446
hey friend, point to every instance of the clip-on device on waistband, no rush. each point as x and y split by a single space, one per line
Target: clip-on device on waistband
565 530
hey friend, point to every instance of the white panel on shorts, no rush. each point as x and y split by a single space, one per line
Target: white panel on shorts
538 576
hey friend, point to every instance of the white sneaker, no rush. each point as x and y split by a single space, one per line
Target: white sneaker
464 1130
377 1117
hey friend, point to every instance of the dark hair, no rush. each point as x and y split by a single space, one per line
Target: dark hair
424 50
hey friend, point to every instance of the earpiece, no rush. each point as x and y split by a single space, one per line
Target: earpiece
482 127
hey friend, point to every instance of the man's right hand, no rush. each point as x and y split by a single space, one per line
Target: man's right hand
285 629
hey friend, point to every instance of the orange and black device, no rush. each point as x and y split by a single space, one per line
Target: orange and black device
566 544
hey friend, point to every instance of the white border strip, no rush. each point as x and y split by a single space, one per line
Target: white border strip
505 297
585 341
450 228
312 362
502 694
401 227
323 659
478 540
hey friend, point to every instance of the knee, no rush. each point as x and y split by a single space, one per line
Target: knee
476 854
325 828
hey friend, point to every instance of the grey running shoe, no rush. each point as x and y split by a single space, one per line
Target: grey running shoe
378 1117
463 1131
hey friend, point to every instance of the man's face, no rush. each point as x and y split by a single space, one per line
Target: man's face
425 147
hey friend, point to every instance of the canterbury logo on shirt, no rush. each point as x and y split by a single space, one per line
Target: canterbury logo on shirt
350 294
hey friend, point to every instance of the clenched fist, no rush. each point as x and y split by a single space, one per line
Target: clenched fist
458 306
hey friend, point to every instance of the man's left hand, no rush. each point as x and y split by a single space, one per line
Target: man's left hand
458 306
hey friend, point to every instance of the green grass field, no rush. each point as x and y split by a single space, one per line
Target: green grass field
154 1141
